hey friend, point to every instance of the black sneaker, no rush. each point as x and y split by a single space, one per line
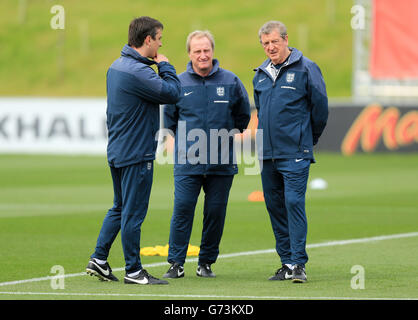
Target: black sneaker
175 271
284 273
102 271
298 274
205 271
143 278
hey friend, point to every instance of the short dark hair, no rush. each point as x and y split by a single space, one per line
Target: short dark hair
140 28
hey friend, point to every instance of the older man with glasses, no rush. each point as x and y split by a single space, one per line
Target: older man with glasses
292 105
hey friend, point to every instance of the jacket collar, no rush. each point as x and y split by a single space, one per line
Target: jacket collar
215 68
127 51
295 55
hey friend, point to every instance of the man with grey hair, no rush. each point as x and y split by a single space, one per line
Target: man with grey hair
212 100
200 34
271 26
292 105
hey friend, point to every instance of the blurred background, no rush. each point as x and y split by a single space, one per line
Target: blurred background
38 60
54 55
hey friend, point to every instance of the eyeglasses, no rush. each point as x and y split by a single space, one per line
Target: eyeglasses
274 42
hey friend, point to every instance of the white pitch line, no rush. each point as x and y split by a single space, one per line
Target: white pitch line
231 255
205 296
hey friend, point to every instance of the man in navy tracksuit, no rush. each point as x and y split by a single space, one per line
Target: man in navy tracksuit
134 93
213 105
292 105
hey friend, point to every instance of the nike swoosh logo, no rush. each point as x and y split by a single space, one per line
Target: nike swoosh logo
288 276
262 80
179 273
187 93
144 280
105 272
298 160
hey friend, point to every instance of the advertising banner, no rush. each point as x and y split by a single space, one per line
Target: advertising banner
78 126
45 125
371 128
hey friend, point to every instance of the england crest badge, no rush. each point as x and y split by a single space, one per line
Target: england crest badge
290 76
220 91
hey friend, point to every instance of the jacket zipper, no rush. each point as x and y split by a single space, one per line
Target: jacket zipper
206 120
269 118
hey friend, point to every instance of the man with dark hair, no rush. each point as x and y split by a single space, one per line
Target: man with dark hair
134 93
292 108
140 28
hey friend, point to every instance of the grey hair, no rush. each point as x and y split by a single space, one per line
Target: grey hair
270 26
200 34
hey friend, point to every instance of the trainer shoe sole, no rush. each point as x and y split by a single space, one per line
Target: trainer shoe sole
92 272
298 280
298 274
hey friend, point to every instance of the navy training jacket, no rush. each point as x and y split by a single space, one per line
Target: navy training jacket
206 106
134 93
292 107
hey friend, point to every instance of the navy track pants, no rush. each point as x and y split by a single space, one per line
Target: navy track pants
132 189
186 193
284 186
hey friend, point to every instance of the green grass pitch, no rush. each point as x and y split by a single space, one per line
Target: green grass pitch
52 207
73 61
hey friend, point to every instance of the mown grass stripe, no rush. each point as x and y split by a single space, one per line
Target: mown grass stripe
231 255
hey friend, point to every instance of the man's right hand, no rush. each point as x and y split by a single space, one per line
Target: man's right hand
160 58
